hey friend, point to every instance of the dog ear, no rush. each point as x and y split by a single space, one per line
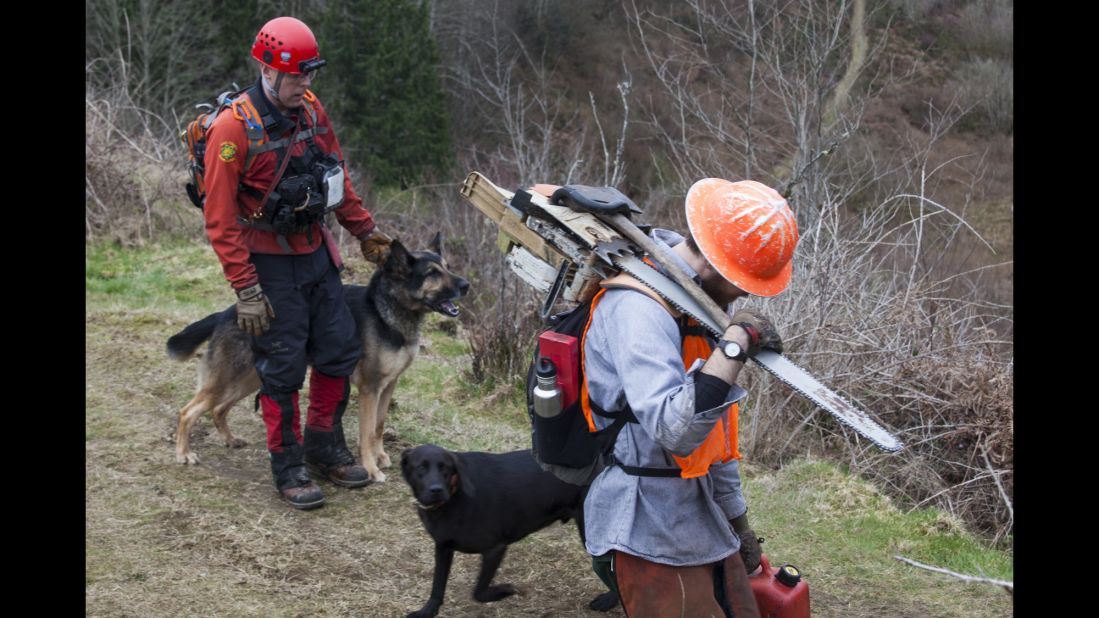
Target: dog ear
463 478
400 260
406 465
437 243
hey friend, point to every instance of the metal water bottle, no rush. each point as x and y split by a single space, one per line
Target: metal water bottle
547 396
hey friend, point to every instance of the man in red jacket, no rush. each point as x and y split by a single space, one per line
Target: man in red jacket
274 169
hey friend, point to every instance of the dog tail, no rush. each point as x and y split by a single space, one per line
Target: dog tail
182 345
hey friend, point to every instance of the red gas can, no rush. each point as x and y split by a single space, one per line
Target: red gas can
780 592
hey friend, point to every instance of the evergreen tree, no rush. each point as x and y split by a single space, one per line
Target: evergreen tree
388 103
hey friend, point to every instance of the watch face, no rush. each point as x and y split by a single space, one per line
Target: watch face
732 349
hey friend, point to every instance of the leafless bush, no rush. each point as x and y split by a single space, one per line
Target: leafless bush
500 316
513 98
762 90
501 340
914 9
987 85
864 316
160 52
878 307
985 28
530 132
133 172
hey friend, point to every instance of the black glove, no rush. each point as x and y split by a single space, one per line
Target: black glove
254 311
763 334
750 551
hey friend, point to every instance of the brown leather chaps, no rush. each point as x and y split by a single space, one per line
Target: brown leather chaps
653 590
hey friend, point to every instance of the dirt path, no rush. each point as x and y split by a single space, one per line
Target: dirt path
214 540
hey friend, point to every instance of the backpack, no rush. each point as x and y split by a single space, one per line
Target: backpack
563 444
194 135
194 140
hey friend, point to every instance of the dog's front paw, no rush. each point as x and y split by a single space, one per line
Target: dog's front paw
376 475
494 593
383 460
427 611
188 458
604 602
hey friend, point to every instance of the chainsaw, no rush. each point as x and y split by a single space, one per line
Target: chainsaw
563 241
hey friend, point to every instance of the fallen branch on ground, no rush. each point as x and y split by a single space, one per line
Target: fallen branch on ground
1009 586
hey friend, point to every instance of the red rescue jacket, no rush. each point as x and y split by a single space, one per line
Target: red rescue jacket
228 166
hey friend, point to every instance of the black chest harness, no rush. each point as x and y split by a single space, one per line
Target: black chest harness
305 188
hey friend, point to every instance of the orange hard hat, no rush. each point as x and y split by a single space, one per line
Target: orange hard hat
746 231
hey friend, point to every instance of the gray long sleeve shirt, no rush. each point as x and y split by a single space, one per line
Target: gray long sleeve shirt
633 355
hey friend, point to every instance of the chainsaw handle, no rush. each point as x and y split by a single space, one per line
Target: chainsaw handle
594 200
661 255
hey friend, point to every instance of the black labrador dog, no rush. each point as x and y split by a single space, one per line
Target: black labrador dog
479 503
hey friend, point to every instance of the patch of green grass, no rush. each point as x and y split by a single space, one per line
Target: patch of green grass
172 275
939 540
436 406
841 529
445 336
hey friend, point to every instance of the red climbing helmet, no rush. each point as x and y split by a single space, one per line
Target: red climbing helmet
286 44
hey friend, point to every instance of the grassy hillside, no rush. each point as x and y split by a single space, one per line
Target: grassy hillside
214 540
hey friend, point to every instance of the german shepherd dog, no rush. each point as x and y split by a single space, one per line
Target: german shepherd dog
388 315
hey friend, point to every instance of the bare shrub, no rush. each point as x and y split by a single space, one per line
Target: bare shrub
164 52
882 306
499 315
987 85
501 339
134 170
869 321
528 131
914 10
961 429
984 28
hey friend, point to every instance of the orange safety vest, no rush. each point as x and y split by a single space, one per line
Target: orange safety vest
720 445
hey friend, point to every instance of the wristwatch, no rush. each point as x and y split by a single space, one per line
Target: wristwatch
732 350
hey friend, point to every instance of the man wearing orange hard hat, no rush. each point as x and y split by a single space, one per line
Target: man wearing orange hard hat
665 521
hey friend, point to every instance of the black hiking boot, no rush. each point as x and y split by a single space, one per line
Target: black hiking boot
293 482
327 456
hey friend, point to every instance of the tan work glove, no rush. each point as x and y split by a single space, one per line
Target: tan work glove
750 551
254 311
375 247
761 332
